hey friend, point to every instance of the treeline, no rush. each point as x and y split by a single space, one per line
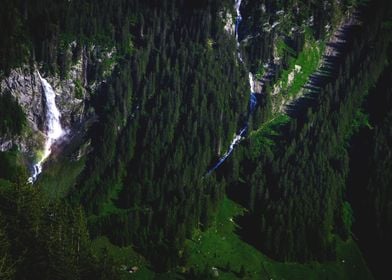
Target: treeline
293 179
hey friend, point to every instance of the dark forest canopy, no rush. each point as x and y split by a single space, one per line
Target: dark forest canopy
163 109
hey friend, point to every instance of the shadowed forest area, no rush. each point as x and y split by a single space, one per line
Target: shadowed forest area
164 87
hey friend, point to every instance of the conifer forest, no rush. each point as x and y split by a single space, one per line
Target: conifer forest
184 139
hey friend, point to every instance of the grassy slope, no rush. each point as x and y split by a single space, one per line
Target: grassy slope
309 60
59 176
123 257
222 248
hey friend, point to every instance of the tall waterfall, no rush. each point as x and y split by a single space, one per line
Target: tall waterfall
52 125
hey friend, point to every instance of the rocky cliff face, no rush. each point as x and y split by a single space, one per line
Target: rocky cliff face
25 85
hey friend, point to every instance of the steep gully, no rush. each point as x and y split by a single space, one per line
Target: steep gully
53 127
252 99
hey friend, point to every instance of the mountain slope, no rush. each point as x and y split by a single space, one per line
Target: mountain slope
166 150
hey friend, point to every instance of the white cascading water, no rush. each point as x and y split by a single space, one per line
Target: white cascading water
238 18
53 127
252 101
237 23
251 83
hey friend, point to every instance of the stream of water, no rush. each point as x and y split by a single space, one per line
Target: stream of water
52 125
252 98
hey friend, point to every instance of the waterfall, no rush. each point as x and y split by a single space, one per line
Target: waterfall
252 98
52 126
237 24
238 18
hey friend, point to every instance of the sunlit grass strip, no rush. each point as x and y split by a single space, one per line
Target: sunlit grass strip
308 60
300 68
221 247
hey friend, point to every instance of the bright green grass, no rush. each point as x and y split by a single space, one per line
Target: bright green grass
260 72
222 248
261 140
308 59
59 176
123 257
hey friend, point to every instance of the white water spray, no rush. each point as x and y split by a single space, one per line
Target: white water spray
53 126
251 83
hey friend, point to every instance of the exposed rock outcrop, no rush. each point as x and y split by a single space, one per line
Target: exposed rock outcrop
25 85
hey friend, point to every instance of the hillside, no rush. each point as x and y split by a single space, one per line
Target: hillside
195 139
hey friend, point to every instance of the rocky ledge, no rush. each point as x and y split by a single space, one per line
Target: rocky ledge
25 86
